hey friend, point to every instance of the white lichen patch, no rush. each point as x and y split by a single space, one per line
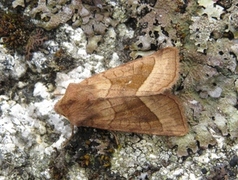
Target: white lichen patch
18 3
210 9
138 154
23 129
77 173
201 30
11 65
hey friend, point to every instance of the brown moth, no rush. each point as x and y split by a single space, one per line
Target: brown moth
132 97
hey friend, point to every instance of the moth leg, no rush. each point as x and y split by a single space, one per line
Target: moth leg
115 137
71 136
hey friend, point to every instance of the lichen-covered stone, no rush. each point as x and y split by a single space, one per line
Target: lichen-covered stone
32 132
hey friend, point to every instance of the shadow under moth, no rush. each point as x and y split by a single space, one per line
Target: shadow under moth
133 97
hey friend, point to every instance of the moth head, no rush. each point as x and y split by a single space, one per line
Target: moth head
75 104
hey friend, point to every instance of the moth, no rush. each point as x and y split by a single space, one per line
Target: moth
133 97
